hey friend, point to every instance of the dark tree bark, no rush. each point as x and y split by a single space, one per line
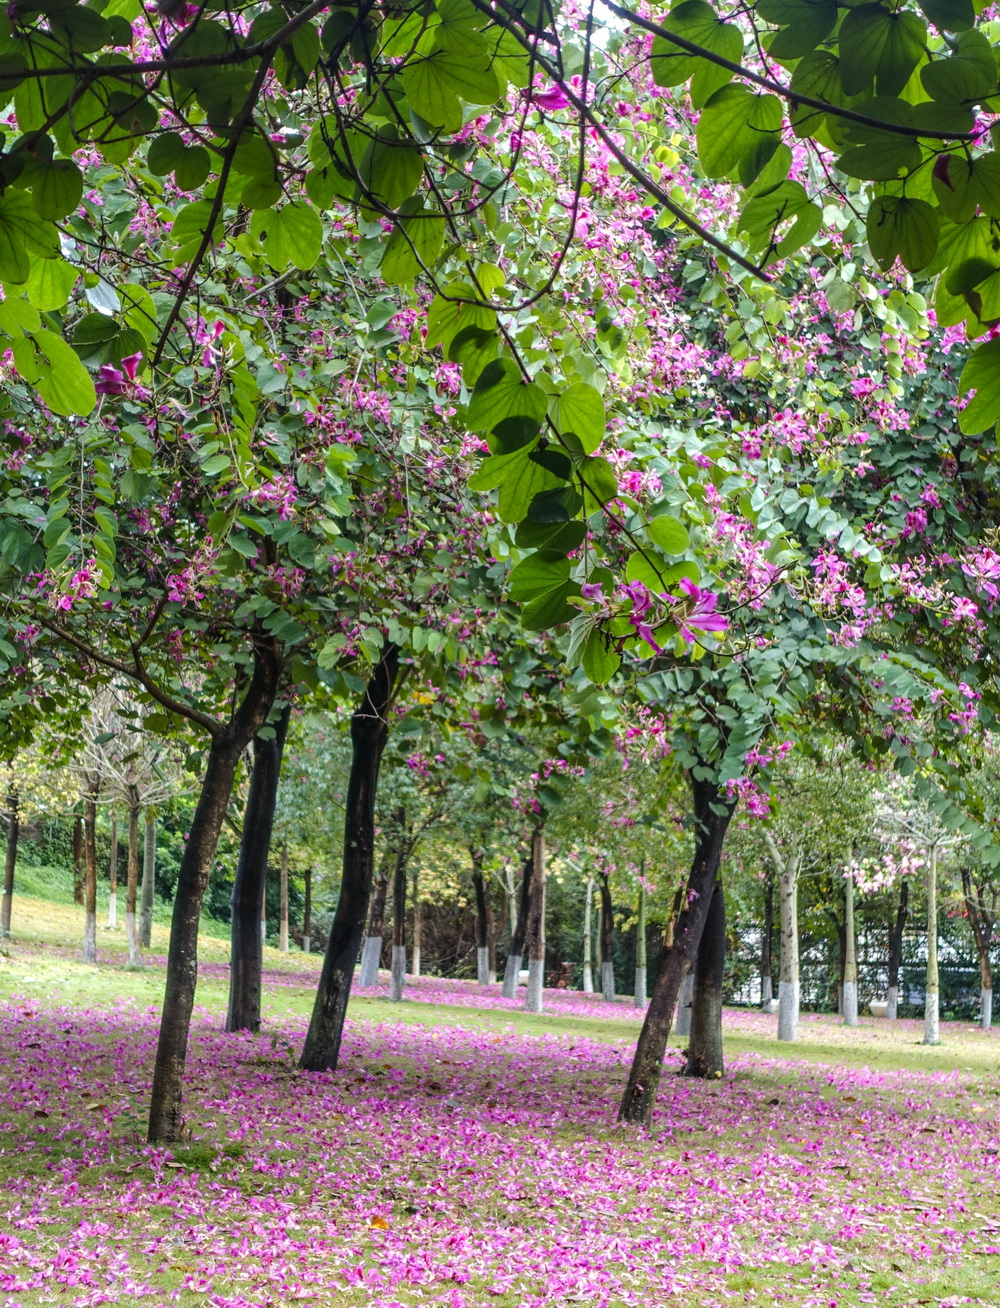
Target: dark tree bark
227 744
132 876
704 1056
536 925
484 918
371 950
607 927
90 873
766 953
250 882
518 932
369 732
712 813
10 863
78 872
307 910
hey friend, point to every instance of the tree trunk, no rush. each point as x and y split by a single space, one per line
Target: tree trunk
250 882
283 902
307 910
78 872
90 874
932 990
113 876
639 997
369 732
371 950
850 953
896 951
704 1055
684 1000
224 753
788 912
415 952
982 920
132 881
712 812
607 929
10 863
766 956
148 882
536 926
518 933
588 971
397 975
483 920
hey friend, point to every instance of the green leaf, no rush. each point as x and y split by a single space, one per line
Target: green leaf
579 411
501 392
699 23
63 382
292 234
881 162
188 230
56 188
950 15
981 374
417 242
803 26
517 479
600 661
214 465
762 216
669 533
22 232
731 125
436 83
905 228
164 153
962 81
192 168
49 283
878 44
541 582
391 169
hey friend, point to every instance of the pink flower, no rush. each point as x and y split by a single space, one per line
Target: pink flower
550 100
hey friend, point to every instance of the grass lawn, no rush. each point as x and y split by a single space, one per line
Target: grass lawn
466 1152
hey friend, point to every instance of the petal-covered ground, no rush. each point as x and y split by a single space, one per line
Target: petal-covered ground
459 1159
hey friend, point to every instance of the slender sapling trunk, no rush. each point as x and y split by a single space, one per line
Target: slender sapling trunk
132 878
639 998
932 991
148 882
850 951
766 955
536 926
283 904
10 863
588 971
90 874
397 975
113 876
896 951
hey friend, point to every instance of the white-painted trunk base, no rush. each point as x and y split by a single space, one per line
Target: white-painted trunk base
683 1023
640 988
482 965
588 979
766 994
397 976
131 938
491 977
112 910
986 1009
415 962
90 938
371 952
510 976
892 1003
283 938
608 982
788 1010
306 942
850 1003
932 1030
536 985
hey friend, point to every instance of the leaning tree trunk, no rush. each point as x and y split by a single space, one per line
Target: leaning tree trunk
483 922
588 971
397 972
518 933
896 951
113 875
639 995
227 745
415 951
712 812
307 909
607 929
250 882
148 882
283 901
932 989
132 881
371 949
766 955
90 875
704 1055
850 954
369 732
10 863
536 925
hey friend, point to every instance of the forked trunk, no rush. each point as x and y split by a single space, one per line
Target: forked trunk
132 881
369 732
518 932
90 875
10 863
712 812
148 882
896 951
536 926
704 1057
250 882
